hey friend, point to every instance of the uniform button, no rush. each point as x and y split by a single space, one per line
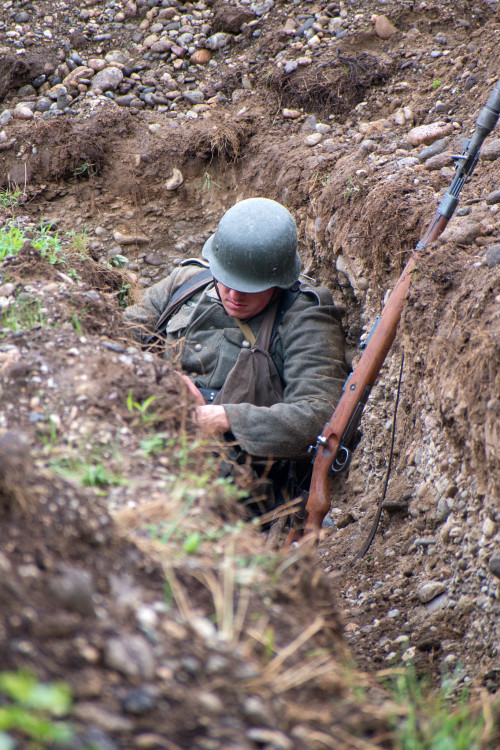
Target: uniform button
197 348
246 344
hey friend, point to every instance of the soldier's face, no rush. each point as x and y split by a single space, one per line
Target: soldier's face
244 305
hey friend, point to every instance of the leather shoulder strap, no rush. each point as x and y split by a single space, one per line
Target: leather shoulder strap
183 293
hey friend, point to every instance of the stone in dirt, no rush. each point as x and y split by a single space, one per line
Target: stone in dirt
383 27
107 80
429 133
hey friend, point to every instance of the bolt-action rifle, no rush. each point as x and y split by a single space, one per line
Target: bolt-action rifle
334 446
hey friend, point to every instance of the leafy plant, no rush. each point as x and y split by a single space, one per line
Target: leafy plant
436 83
75 322
154 444
11 240
352 191
123 294
85 170
32 709
10 198
86 472
141 408
118 261
48 244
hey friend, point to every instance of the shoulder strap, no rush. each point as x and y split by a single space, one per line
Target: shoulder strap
183 293
274 316
287 298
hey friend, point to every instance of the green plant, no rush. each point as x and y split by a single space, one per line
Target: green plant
154 444
141 408
436 83
123 295
86 471
24 314
85 170
10 198
32 709
352 191
11 240
208 182
75 322
118 261
430 719
48 244
78 242
96 475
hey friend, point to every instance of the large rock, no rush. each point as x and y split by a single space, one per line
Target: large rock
107 80
231 19
425 134
82 71
218 41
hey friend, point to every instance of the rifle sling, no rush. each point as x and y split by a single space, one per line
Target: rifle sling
181 295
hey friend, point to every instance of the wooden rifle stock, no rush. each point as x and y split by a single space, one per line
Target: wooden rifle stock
338 433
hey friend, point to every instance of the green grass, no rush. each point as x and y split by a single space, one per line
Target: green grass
88 473
11 240
32 710
43 238
10 198
430 719
23 315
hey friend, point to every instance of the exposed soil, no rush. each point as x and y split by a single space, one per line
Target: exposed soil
127 570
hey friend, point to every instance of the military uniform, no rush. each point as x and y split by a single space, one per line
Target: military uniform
307 350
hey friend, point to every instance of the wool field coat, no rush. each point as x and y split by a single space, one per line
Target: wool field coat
307 350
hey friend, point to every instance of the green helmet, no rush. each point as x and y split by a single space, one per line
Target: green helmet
254 247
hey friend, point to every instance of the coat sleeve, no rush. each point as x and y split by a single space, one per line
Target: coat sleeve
142 317
314 371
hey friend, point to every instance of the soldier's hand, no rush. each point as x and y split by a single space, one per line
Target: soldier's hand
212 419
193 390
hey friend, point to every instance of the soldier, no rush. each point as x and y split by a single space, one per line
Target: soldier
263 353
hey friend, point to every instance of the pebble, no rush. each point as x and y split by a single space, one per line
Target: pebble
175 180
313 139
489 528
494 565
438 161
131 655
138 701
429 590
383 27
461 232
492 257
491 150
22 113
72 587
93 713
200 57
269 737
493 197
107 79
291 114
428 133
132 238
218 41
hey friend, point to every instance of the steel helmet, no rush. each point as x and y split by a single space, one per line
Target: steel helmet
254 247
